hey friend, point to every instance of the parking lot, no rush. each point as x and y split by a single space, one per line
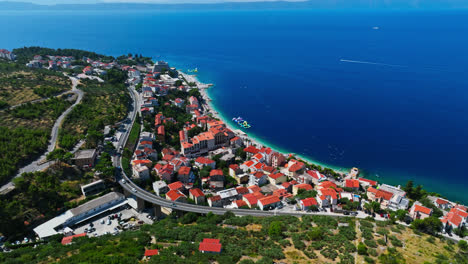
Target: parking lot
114 222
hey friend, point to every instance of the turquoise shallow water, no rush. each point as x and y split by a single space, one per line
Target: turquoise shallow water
324 84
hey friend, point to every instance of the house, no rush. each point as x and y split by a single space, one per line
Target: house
277 178
418 211
215 201
250 151
254 188
197 195
88 70
295 168
140 172
308 203
201 162
185 175
352 184
316 176
442 203
240 204
258 178
216 175
179 102
455 217
381 196
258 157
85 158
160 187
367 183
287 186
277 160
326 185
93 188
176 196
151 252
242 190
176 186
250 199
327 197
164 171
209 245
236 142
268 202
161 135
282 193
302 186
234 170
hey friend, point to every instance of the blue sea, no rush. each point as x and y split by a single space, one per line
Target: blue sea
383 91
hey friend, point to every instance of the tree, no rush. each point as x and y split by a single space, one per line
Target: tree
463 245
409 188
362 249
430 225
275 229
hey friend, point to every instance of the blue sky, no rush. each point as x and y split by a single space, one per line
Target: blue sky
48 2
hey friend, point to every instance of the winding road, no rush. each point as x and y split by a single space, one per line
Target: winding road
138 192
41 162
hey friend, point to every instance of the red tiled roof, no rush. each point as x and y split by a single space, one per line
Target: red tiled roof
242 190
327 184
422 209
371 182
204 160
215 198
259 165
352 183
184 170
459 212
234 167
251 149
68 239
249 163
384 194
251 198
276 175
259 174
151 252
296 166
441 201
196 192
254 188
372 190
175 185
269 169
216 173
309 201
174 195
269 200
240 203
258 156
210 245
304 186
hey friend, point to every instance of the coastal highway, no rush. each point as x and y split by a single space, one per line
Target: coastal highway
155 199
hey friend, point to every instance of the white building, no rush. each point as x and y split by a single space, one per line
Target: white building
81 213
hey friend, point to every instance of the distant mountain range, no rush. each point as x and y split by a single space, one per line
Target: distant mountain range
315 4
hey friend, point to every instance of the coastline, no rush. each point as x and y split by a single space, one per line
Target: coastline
210 107
255 140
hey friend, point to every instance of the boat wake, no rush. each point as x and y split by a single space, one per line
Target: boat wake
373 63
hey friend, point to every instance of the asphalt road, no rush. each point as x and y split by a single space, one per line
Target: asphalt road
41 163
155 199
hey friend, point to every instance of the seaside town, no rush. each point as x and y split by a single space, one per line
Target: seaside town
173 154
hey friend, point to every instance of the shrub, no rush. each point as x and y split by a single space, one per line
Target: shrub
381 242
362 249
370 243
372 252
369 260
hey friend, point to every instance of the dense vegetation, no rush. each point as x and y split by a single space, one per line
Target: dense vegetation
103 104
17 147
287 239
19 84
25 54
38 196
